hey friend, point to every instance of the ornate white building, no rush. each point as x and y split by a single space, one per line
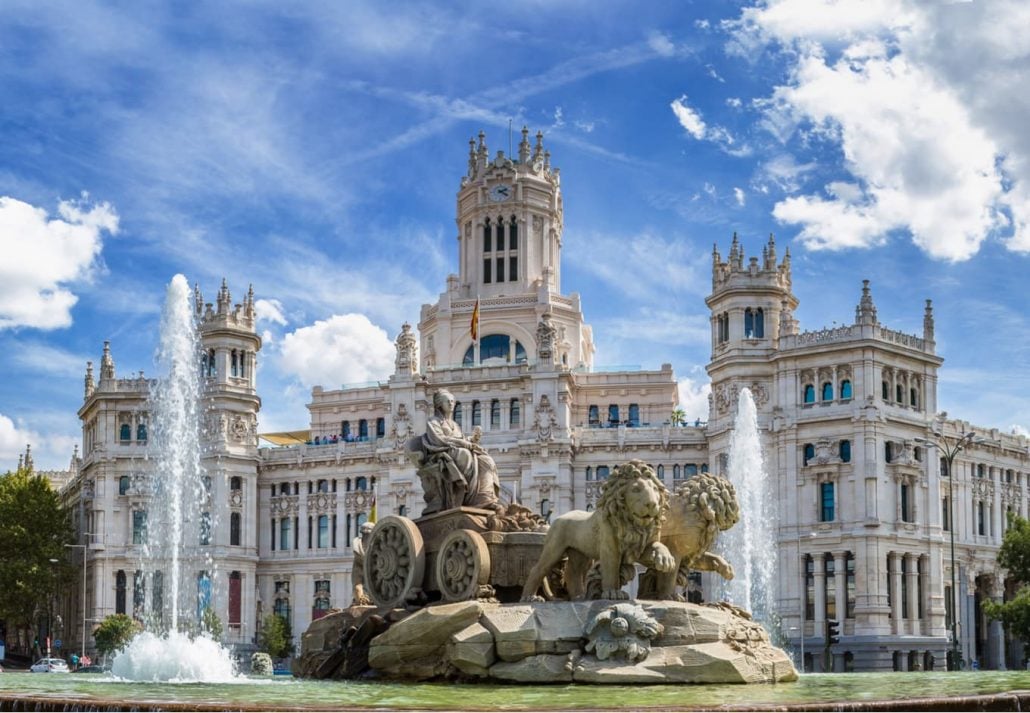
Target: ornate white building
862 507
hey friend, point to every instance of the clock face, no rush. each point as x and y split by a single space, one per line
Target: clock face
500 192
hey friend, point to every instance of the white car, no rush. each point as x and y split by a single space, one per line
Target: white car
49 666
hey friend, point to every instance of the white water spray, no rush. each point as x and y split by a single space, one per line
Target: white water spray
750 546
172 584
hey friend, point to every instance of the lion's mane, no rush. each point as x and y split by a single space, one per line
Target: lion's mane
713 498
633 535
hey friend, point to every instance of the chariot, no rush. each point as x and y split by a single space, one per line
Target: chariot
453 555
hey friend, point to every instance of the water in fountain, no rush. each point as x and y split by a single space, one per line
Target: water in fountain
178 570
750 546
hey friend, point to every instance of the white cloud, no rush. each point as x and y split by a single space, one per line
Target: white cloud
1019 430
739 195
693 399
688 118
49 452
344 349
784 171
923 100
734 102
661 44
270 311
43 257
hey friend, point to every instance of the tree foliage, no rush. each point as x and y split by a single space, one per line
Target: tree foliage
34 529
210 623
1014 556
276 637
115 632
679 417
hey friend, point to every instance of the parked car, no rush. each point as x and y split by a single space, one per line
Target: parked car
49 666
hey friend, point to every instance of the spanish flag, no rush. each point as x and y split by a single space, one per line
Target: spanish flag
474 327
372 509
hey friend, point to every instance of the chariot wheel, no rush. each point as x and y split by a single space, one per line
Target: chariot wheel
395 561
462 565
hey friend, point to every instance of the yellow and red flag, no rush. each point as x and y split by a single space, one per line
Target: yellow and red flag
474 326
372 510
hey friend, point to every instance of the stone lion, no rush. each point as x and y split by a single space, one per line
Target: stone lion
699 509
623 529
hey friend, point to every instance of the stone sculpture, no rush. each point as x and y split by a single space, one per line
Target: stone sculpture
700 508
360 546
621 631
455 471
624 528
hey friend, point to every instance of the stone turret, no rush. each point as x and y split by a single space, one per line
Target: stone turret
865 312
106 363
928 322
89 385
406 362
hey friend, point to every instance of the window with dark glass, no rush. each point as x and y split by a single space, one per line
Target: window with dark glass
141 433
139 527
125 432
590 473
363 430
323 531
205 528
899 394
235 483
487 264
809 453
831 586
234 529
500 269
458 413
660 472
380 427
593 415
809 588
345 430
826 502
495 346
827 391
945 513
119 592
361 483
477 414
845 390
487 237
981 520
515 413
634 415
845 451
495 413
284 533
139 593
906 505
602 472
123 484
613 414
809 395
885 391
888 451
676 472
913 398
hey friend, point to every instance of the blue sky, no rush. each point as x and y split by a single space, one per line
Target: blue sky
315 149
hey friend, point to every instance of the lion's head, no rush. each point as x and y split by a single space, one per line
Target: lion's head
635 503
713 498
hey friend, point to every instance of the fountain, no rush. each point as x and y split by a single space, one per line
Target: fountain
178 569
751 545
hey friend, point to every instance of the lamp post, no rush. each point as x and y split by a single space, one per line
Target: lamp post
50 607
949 448
82 645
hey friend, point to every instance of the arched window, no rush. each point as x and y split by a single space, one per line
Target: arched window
243 363
282 609
520 352
363 430
495 346
322 486
899 394
593 415
545 509
809 396
345 430
885 391
125 432
827 391
759 323
704 467
361 483
690 470
236 483
634 415
845 451
660 472
495 414
845 390
458 413
284 489
809 453
888 451
359 521
119 592
234 529
234 363
676 475
123 484
212 370
515 413
141 433
613 414
980 470
380 427
602 472
913 397
487 237
590 473
470 357
749 324
323 531
477 414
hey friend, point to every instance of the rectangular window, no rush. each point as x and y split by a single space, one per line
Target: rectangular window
272 531
809 588
513 268
234 529
284 533
139 527
981 525
486 238
945 513
309 532
205 528
495 414
613 414
323 531
849 566
487 264
831 587
904 587
500 269
826 500
334 530
948 606
296 529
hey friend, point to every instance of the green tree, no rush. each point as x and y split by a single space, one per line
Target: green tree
1014 556
34 529
679 417
210 623
276 638
115 632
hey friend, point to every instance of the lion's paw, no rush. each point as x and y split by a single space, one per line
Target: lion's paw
726 571
661 559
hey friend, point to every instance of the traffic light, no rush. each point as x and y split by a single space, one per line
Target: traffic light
832 632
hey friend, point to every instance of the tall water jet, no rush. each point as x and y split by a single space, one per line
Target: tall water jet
173 586
751 545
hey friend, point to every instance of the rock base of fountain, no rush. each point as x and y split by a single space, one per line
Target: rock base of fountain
593 642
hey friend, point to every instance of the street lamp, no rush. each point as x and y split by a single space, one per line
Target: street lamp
84 548
50 606
949 448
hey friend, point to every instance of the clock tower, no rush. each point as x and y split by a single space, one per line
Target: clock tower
509 218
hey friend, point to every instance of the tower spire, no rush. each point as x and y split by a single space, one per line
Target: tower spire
865 312
106 363
928 322
88 383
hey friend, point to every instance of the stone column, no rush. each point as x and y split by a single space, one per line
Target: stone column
894 568
995 632
819 617
912 583
841 603
967 632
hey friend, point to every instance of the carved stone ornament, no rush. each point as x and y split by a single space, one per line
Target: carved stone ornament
239 429
401 428
545 419
407 359
622 631
546 335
